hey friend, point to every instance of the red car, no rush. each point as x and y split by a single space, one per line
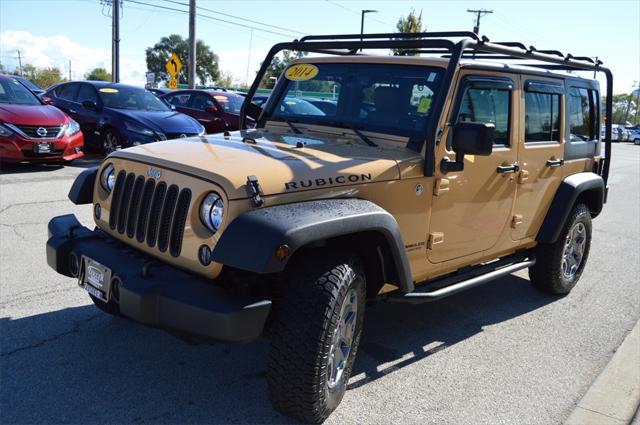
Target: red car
216 110
33 130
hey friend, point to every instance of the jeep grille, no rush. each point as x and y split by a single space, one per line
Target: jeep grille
150 211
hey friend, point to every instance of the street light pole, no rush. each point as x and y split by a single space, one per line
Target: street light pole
192 45
362 21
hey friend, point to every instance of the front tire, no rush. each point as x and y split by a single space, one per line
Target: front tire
559 265
636 141
315 335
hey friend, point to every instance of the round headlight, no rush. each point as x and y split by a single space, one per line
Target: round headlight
108 178
212 211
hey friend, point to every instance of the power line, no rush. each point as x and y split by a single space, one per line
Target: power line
238 17
356 12
479 14
210 17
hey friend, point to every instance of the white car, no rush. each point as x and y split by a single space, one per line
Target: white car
634 135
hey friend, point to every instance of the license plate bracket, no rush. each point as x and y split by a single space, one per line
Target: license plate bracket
41 147
95 278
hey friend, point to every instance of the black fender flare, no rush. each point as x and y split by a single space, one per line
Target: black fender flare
587 186
250 241
81 191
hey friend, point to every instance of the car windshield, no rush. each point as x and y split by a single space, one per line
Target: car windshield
131 98
393 99
28 84
12 91
230 102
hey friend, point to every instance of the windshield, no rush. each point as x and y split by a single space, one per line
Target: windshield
28 84
230 102
12 91
131 98
393 99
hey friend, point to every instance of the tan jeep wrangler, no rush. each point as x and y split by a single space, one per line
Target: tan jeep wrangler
417 176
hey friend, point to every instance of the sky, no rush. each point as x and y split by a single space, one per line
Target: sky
76 34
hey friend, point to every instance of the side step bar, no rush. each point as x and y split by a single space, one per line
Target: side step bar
462 285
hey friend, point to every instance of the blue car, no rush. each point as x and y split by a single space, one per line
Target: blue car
115 116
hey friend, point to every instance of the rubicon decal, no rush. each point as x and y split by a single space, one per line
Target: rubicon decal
327 181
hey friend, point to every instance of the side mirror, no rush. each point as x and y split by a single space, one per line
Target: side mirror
47 100
473 138
212 110
89 104
469 138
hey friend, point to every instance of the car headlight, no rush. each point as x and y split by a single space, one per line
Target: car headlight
212 211
135 128
108 178
4 131
72 128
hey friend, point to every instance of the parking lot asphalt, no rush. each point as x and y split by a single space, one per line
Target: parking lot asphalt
500 353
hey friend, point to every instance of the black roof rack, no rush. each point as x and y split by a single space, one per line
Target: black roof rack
454 45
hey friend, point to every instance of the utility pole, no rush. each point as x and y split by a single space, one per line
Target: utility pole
192 44
69 69
636 85
479 14
364 12
19 62
115 46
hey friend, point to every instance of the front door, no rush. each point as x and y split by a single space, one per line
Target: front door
541 149
472 208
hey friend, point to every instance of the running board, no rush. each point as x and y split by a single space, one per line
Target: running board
461 285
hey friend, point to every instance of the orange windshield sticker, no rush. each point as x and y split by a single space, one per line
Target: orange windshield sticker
221 98
301 72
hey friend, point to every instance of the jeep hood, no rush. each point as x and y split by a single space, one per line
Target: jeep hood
281 162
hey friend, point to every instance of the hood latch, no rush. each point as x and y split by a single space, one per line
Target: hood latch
253 187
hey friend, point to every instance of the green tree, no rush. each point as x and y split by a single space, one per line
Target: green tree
43 77
225 79
278 64
411 23
98 74
159 54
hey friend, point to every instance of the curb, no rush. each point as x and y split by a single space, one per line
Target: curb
615 395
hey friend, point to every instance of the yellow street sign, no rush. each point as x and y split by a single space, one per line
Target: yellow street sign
174 65
172 84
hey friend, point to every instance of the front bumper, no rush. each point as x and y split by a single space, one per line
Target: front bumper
154 293
17 149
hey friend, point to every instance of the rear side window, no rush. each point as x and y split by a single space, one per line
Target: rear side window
582 114
487 106
542 117
87 92
67 91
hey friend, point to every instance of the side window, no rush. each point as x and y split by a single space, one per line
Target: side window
87 92
487 105
179 99
541 117
67 91
581 114
201 102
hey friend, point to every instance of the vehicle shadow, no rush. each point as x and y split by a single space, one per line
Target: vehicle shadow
32 167
79 365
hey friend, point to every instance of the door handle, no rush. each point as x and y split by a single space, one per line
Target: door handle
72 111
504 169
554 163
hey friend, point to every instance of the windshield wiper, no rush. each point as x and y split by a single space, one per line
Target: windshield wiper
359 134
293 128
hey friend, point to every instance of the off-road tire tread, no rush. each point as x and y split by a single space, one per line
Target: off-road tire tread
308 306
546 274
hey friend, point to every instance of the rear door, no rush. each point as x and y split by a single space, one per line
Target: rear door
471 209
540 152
87 118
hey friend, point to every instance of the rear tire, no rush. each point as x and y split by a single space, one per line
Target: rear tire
315 335
559 265
636 141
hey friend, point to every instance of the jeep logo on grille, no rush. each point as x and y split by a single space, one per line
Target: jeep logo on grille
153 173
41 131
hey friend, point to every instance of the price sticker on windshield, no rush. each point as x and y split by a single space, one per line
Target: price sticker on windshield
301 72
